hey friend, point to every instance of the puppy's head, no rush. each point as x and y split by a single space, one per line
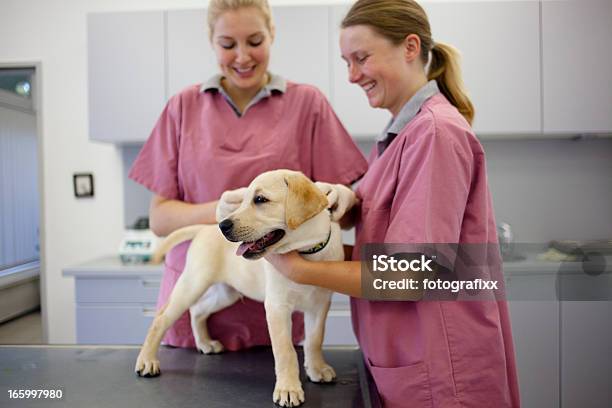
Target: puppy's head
275 205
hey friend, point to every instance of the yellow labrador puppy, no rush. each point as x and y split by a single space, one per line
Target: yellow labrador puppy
281 211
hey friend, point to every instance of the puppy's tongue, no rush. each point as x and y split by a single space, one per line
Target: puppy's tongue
255 246
243 248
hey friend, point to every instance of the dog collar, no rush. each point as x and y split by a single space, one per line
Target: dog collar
317 247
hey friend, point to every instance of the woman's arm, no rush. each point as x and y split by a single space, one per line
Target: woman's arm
338 276
169 215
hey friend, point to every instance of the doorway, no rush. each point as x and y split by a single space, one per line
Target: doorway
20 206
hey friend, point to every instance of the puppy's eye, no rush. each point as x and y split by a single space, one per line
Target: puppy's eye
259 199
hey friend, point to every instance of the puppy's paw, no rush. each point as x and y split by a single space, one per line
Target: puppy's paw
147 366
320 373
288 393
210 347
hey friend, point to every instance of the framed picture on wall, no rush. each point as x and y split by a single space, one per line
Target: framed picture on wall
83 185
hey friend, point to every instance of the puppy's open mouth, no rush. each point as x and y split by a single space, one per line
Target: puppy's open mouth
257 248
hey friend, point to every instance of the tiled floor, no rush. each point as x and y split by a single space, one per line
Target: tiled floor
26 329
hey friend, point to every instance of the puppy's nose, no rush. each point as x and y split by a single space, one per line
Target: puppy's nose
226 225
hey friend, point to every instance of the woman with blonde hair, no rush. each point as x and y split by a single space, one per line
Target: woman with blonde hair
426 183
220 135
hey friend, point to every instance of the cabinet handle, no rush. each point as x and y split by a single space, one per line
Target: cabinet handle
150 283
149 311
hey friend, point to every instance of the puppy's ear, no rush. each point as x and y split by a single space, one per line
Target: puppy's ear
304 200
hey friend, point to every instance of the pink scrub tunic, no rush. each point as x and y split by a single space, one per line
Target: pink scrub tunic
430 186
201 147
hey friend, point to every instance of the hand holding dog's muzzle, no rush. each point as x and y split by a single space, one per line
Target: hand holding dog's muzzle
229 202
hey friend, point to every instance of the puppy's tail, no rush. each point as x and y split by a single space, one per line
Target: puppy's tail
175 238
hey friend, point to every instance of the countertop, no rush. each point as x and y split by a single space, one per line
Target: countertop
526 276
525 262
98 377
112 266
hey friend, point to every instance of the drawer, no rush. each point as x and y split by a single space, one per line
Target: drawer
534 287
113 325
122 290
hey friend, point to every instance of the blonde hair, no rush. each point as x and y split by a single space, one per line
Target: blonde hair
218 7
395 20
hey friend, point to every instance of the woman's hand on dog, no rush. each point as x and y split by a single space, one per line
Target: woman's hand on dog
338 276
291 265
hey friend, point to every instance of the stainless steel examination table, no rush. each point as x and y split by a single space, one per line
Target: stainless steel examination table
104 377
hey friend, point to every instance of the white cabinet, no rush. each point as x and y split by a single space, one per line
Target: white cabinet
126 74
349 100
586 336
500 48
191 59
115 304
562 333
577 66
586 354
300 51
534 313
530 67
535 331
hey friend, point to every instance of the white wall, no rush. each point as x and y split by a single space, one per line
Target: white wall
54 34
552 189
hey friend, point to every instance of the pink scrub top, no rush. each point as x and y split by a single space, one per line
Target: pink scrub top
430 186
200 147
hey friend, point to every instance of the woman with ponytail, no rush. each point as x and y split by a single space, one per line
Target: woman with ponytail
426 183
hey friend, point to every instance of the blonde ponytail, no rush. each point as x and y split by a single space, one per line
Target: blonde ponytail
444 68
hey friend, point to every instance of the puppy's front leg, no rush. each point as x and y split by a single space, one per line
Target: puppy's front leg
288 390
314 320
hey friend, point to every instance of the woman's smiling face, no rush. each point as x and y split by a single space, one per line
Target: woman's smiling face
377 66
241 41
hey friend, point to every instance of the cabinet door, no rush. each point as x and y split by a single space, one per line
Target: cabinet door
534 314
586 337
349 100
191 59
535 331
126 74
500 48
113 324
577 62
586 354
300 51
